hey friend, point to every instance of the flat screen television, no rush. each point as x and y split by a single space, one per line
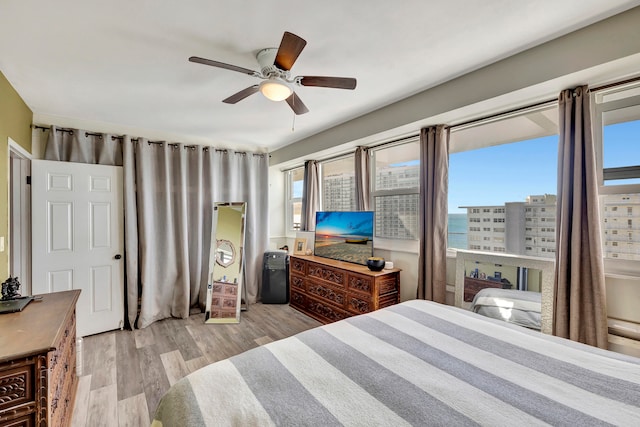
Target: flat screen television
344 236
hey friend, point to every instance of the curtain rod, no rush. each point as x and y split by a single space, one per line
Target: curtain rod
452 127
503 114
175 145
620 83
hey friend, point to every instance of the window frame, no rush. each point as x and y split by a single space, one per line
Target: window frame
393 242
321 169
613 265
602 107
291 201
497 214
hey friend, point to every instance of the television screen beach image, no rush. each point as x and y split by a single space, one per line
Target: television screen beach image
344 236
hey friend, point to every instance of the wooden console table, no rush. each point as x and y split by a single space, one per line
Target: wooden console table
38 362
330 290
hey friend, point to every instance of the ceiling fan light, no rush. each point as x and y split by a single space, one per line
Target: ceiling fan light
275 90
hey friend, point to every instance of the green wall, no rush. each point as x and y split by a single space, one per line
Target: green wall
229 228
15 123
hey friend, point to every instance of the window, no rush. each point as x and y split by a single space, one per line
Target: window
616 133
504 170
338 184
295 183
396 191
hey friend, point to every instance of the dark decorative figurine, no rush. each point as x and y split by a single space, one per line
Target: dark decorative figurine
10 288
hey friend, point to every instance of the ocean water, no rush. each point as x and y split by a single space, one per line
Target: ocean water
457 237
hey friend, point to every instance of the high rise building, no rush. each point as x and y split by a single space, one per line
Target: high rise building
621 225
522 228
338 192
397 214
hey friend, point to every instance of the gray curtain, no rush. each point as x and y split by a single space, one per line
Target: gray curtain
362 174
310 196
169 194
81 146
580 311
434 177
244 177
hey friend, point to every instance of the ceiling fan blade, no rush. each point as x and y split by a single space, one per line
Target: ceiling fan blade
333 82
213 63
241 95
296 104
290 47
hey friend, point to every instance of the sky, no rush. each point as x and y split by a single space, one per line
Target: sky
511 172
622 144
504 173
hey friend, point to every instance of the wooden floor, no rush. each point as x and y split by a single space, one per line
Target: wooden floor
125 373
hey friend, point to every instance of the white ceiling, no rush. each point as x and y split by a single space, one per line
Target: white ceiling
121 65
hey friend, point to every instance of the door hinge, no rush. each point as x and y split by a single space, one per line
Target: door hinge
28 179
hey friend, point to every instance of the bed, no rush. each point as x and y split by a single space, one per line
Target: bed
415 363
518 307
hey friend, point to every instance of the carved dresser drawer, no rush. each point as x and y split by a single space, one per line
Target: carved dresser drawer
297 281
330 290
326 292
38 362
328 274
297 266
17 390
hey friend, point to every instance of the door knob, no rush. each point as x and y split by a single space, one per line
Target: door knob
118 256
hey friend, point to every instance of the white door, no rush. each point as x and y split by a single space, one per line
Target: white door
78 239
20 216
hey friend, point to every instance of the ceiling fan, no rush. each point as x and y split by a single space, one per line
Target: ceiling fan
277 83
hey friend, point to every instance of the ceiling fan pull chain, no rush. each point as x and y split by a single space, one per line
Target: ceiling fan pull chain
293 123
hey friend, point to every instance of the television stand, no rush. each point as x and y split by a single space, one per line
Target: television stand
330 290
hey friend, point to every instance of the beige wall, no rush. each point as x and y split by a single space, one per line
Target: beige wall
15 122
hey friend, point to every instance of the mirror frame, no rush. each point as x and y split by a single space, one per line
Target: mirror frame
220 259
546 266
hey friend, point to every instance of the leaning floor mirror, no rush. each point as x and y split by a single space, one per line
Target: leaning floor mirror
226 260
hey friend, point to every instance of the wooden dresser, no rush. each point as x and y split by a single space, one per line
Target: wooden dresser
38 362
329 290
472 286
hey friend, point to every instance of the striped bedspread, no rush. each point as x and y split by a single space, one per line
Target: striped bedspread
416 363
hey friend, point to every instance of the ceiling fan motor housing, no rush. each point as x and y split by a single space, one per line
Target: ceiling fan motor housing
266 58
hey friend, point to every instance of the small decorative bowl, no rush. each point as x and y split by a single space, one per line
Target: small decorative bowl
375 263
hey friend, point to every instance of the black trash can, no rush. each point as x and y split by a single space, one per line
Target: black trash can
275 277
